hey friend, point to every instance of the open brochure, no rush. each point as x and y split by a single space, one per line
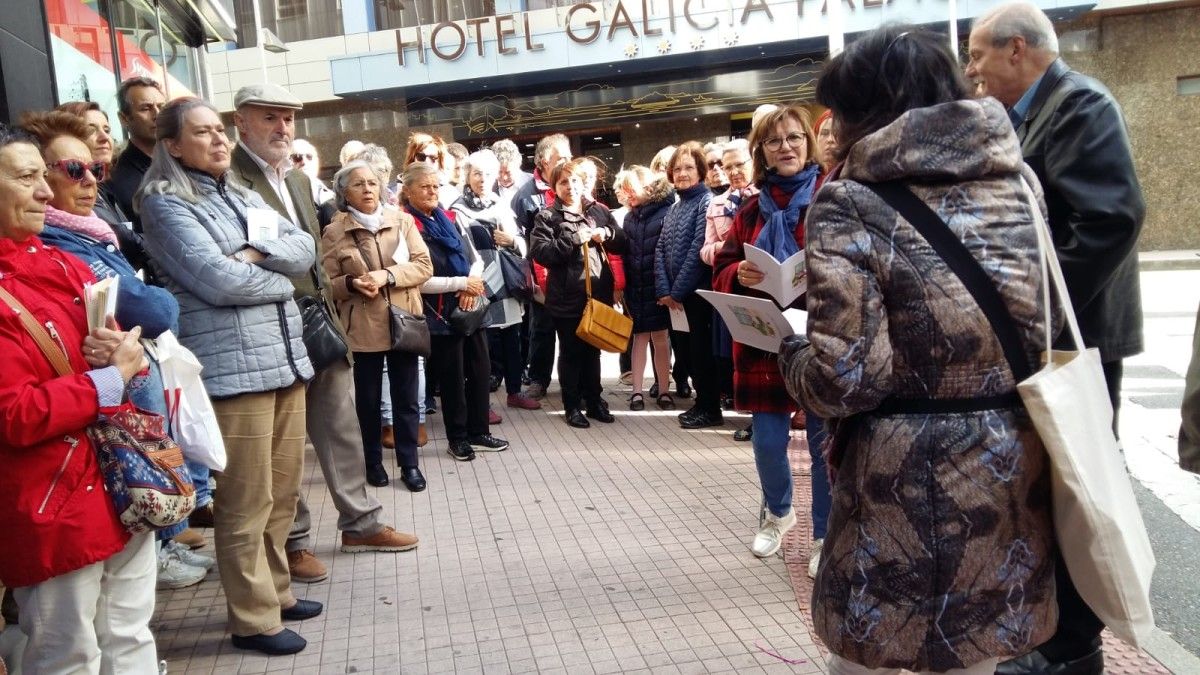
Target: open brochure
100 301
756 322
785 281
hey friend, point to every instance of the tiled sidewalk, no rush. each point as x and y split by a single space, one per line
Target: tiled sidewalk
622 548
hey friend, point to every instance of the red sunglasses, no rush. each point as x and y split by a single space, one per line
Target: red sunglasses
76 170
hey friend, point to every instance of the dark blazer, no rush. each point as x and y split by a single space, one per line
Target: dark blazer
1074 138
299 186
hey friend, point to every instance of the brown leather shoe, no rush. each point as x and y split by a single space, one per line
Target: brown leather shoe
388 437
422 436
304 567
191 538
387 540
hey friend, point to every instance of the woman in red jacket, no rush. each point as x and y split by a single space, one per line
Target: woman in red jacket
785 171
84 587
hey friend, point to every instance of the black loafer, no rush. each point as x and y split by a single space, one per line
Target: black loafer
701 420
412 478
653 392
488 443
746 434
1035 663
279 644
461 450
576 419
600 413
684 391
688 414
302 610
377 476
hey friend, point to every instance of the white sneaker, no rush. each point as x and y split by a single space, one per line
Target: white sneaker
187 556
174 573
770 536
814 557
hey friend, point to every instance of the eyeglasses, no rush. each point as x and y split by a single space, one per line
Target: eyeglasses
298 157
422 157
715 164
793 139
77 170
736 166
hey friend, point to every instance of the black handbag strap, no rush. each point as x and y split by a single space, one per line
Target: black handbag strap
964 265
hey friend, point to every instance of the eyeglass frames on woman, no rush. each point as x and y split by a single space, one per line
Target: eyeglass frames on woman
301 157
794 140
422 157
76 170
715 164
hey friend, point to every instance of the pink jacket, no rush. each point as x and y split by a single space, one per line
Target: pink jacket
717 224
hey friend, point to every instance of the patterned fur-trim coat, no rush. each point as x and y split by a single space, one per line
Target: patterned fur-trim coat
940 551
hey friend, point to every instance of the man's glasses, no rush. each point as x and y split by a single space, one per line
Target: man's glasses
300 157
422 157
715 164
77 170
793 139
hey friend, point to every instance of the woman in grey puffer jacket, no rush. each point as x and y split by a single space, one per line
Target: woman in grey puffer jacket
204 236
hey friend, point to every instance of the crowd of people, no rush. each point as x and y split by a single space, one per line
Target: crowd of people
930 489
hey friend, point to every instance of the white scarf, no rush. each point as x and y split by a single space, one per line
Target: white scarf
371 221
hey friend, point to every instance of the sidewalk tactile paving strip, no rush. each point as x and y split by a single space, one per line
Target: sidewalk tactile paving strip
1119 657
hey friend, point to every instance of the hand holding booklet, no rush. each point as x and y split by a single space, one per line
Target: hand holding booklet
100 301
785 281
756 322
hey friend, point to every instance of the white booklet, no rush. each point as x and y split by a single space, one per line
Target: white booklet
785 281
100 301
679 321
757 322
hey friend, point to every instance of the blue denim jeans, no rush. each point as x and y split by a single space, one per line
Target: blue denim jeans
822 499
770 441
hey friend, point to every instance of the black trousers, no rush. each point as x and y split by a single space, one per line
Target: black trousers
695 349
1078 632
368 396
541 344
504 344
680 371
461 366
578 367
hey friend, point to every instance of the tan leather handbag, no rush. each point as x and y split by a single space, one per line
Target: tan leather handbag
601 326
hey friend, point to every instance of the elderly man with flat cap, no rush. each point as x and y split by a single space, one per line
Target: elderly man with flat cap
266 124
1073 136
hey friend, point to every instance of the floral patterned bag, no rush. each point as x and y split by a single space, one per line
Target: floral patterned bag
144 472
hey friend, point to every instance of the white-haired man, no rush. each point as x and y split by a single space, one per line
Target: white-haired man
511 177
265 118
1073 136
306 158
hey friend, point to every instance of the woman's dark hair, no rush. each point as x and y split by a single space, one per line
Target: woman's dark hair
884 74
81 108
696 151
49 125
10 135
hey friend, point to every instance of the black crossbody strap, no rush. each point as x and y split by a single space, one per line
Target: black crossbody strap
964 265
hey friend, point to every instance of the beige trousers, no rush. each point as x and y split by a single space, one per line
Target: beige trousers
255 503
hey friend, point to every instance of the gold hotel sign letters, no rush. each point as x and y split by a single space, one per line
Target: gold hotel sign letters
448 40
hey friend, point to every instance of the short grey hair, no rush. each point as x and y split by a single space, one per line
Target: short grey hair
548 143
737 145
377 157
484 160
414 172
349 150
507 153
1019 19
718 148
341 180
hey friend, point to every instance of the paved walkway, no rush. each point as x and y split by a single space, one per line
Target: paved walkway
622 548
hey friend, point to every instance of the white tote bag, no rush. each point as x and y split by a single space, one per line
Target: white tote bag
1096 517
193 421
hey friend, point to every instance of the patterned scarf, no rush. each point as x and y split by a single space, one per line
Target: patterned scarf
778 234
89 226
733 200
477 203
440 230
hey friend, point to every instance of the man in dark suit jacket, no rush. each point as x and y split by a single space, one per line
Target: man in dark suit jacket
1073 136
265 121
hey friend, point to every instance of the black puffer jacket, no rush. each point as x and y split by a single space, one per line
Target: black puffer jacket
555 245
643 225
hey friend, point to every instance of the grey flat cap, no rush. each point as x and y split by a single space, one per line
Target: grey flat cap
269 95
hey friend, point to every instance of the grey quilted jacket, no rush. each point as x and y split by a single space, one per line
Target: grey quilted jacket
239 319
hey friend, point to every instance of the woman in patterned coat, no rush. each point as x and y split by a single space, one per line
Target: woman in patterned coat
940 551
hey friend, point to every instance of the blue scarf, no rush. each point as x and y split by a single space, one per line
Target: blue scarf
778 234
440 230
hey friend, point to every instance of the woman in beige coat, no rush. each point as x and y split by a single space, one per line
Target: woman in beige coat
374 256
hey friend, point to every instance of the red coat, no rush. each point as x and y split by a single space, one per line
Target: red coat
757 384
55 516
